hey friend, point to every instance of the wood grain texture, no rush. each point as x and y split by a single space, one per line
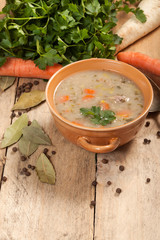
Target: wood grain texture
33 210
134 214
6 103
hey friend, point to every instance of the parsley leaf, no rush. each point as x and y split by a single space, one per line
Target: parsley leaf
98 116
61 31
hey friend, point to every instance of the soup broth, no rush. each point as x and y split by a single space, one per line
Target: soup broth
105 92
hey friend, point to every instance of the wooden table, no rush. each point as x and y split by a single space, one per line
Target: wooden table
31 210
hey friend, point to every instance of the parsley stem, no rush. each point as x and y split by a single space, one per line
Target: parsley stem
7 51
27 18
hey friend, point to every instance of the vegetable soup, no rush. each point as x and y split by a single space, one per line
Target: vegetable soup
98 98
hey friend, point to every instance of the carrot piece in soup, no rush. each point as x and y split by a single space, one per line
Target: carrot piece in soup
87 97
89 91
124 113
64 98
104 105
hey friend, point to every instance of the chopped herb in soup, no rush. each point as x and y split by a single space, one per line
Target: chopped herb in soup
98 98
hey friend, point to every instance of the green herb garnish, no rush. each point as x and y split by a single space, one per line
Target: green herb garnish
98 116
61 31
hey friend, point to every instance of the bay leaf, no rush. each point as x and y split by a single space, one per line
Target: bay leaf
14 132
45 170
35 124
26 147
6 82
36 135
30 99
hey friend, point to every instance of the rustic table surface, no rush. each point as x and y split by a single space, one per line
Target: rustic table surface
31 210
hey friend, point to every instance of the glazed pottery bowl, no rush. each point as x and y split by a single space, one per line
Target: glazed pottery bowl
99 140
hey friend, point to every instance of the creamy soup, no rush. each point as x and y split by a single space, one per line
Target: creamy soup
98 98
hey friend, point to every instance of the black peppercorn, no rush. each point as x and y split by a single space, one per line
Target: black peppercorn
29 123
146 141
33 167
94 183
23 158
45 150
158 134
36 82
24 169
148 180
105 161
53 152
109 183
27 174
121 168
147 124
4 179
118 190
93 203
14 149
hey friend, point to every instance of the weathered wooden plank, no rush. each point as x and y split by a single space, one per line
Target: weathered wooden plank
6 102
133 214
33 210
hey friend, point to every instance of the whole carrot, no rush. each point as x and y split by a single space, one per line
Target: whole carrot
140 60
18 67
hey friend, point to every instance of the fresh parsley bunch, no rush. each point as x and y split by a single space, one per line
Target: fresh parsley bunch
61 31
98 116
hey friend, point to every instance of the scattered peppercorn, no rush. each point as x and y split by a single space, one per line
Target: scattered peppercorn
29 123
33 167
27 174
147 124
93 203
25 169
109 183
29 165
105 161
158 134
14 149
19 113
94 183
30 84
23 158
118 190
121 168
45 150
36 82
148 180
53 152
146 141
4 179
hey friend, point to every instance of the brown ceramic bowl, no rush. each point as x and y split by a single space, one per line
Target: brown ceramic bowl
101 140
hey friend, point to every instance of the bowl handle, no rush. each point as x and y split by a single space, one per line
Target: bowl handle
85 143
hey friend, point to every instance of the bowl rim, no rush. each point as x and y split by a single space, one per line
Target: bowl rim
100 129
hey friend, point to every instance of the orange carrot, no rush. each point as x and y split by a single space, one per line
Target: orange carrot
89 91
87 97
123 113
64 98
140 60
18 67
104 105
